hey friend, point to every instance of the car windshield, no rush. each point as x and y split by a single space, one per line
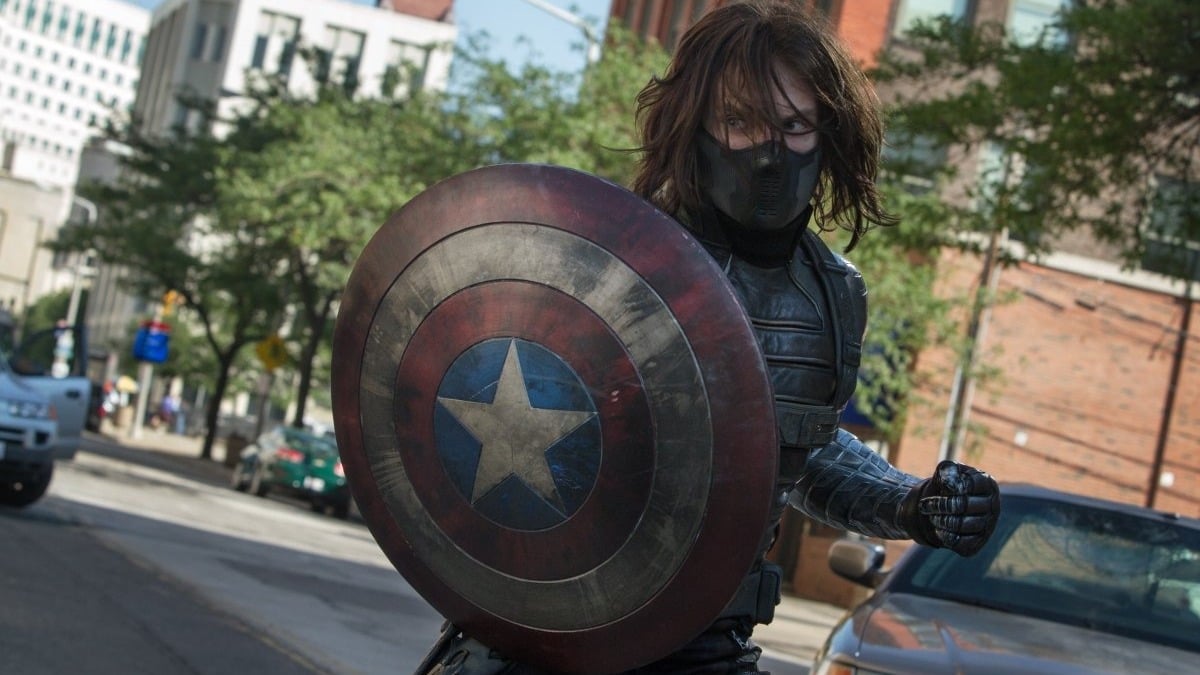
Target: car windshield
315 446
1110 571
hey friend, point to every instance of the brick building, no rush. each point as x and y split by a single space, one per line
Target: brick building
1087 356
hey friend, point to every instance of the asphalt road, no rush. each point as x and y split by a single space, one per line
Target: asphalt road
72 603
142 562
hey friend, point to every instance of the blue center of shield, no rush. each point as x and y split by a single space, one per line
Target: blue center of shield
517 433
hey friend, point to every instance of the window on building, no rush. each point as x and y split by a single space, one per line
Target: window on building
127 47
218 44
110 45
199 40
80 28
47 18
1030 21
64 22
275 43
407 64
915 161
30 15
339 59
1171 247
94 40
909 12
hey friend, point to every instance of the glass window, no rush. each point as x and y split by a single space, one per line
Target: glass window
127 47
275 44
47 18
1034 20
407 64
199 39
912 11
110 44
340 58
95 39
218 44
80 28
1170 248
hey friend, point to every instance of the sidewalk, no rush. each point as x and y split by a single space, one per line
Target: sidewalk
799 628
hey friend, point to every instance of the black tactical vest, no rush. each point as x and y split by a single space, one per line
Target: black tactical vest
810 316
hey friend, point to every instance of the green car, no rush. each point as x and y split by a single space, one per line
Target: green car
296 463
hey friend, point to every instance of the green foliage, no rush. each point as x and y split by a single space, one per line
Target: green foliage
1089 117
49 309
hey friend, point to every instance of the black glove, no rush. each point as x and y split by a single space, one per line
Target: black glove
956 509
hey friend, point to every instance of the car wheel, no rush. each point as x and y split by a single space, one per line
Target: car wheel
257 485
316 506
341 509
22 493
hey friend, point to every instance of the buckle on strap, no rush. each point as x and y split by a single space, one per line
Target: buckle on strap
807 426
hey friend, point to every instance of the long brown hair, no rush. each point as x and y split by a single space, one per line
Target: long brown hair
738 48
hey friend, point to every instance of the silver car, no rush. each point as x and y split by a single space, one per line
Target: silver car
28 431
1067 584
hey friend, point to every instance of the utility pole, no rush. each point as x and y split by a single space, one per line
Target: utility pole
1164 429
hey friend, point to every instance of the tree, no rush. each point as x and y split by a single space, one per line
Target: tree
1092 125
157 219
1092 117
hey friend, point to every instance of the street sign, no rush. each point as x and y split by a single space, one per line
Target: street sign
272 352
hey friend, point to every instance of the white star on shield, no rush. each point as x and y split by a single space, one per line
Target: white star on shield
513 435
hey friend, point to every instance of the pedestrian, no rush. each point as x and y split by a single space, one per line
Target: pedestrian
168 409
761 133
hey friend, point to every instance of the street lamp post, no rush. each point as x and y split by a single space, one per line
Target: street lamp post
593 49
77 282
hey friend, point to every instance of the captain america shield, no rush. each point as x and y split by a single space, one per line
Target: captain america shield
554 416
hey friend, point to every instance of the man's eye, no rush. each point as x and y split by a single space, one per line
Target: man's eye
795 127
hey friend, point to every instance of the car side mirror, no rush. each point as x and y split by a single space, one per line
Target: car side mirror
857 561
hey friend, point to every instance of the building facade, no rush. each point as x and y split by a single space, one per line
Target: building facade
214 48
66 67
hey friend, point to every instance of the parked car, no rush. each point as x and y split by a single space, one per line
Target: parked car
297 463
54 361
28 430
1067 584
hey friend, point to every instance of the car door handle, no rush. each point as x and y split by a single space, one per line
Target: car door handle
74 393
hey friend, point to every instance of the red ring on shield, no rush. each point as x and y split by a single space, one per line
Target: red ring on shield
675 345
550 318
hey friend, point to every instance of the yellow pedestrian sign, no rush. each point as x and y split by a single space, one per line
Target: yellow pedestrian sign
272 352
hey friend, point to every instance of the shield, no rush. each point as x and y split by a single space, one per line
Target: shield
554 416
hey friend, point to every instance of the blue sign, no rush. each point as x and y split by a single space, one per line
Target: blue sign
151 343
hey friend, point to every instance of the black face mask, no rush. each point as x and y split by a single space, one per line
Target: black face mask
762 188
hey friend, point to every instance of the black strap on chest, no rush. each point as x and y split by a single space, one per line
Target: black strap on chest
810 426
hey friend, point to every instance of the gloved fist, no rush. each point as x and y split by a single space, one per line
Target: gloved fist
956 509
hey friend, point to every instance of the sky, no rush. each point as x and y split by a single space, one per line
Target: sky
555 43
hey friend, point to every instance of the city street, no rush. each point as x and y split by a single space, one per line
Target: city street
138 561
